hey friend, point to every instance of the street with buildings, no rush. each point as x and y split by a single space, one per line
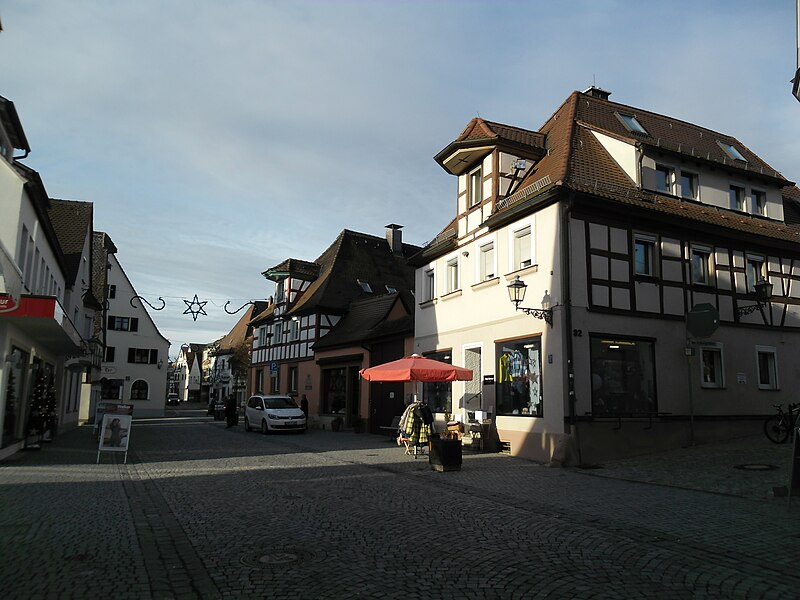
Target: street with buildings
204 511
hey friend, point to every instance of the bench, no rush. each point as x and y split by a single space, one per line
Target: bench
391 430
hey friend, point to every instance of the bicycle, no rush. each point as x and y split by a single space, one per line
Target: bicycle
780 427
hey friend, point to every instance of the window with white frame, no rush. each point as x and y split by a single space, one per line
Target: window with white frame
767 364
701 261
429 285
277 332
139 390
294 330
736 194
689 185
632 124
754 271
522 250
758 202
664 179
731 151
476 187
487 261
262 336
644 254
452 274
712 374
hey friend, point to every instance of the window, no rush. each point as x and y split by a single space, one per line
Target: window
689 185
712 374
111 389
644 253
365 287
391 289
294 330
623 376
476 187
731 151
123 323
334 390
280 294
109 355
292 379
758 202
277 331
112 291
143 356
701 258
274 382
632 124
487 261
452 275
259 381
439 396
429 285
139 390
736 197
262 336
522 248
519 378
754 271
664 177
767 368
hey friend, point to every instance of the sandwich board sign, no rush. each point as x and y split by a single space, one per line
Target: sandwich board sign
115 432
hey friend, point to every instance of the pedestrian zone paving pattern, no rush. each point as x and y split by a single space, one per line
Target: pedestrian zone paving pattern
201 511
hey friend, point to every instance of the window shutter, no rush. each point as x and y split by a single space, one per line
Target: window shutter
153 356
134 324
131 355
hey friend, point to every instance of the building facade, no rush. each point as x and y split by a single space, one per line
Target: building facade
618 223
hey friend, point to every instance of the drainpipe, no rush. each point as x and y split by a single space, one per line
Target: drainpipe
566 294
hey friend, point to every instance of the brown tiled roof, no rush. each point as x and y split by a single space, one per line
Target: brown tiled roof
351 257
240 332
12 125
366 321
72 222
481 129
300 269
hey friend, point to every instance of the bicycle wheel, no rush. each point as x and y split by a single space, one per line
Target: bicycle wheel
775 429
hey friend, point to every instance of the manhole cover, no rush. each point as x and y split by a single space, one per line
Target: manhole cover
259 559
755 467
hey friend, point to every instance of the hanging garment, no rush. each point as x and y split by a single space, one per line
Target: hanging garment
516 364
502 371
420 431
405 419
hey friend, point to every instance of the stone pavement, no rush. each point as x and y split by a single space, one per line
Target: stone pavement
201 511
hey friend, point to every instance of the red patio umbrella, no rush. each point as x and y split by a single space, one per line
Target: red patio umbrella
416 368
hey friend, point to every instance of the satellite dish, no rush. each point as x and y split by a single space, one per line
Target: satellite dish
702 320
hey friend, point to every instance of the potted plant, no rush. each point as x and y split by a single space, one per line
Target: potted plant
357 424
336 423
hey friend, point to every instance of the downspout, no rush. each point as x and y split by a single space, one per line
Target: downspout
566 294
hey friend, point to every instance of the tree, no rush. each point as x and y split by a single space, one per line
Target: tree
239 365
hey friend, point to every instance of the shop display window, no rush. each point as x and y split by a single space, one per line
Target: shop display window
439 396
623 376
519 378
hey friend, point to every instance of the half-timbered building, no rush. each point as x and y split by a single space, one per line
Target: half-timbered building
310 299
619 223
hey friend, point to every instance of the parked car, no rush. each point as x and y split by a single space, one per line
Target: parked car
273 413
173 400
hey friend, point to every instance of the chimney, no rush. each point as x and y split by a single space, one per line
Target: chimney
395 238
596 92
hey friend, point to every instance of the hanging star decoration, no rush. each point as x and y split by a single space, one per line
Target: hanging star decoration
195 307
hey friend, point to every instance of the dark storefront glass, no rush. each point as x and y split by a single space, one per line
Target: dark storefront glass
519 378
623 376
439 396
334 390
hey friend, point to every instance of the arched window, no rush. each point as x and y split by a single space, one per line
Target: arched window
139 390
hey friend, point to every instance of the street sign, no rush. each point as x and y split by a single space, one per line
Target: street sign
273 368
702 320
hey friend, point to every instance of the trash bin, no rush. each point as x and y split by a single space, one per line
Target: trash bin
445 454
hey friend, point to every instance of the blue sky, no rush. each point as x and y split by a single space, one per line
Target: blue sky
216 139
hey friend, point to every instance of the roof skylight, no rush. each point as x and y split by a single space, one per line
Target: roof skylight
731 151
632 124
364 285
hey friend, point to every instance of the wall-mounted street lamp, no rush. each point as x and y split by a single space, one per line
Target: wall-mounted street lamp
763 296
516 293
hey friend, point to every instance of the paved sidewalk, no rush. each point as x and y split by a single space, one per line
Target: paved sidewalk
201 511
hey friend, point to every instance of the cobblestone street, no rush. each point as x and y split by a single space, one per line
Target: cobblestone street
201 511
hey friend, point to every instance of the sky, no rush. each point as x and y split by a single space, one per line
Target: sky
217 139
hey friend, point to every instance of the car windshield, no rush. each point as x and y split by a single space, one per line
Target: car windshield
279 403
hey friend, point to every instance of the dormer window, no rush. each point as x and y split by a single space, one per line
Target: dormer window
391 289
476 187
631 124
365 287
731 151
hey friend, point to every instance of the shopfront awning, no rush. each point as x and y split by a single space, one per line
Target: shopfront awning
43 319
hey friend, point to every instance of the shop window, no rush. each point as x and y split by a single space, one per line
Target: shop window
334 390
439 396
111 389
519 378
623 376
139 390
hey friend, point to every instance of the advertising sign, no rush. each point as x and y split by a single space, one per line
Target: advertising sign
115 434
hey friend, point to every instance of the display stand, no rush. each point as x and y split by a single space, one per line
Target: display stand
115 434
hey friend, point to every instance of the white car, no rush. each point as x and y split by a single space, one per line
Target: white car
273 413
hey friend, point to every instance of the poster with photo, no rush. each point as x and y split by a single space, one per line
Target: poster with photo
116 432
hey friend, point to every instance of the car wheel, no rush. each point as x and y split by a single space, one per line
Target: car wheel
264 428
246 424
